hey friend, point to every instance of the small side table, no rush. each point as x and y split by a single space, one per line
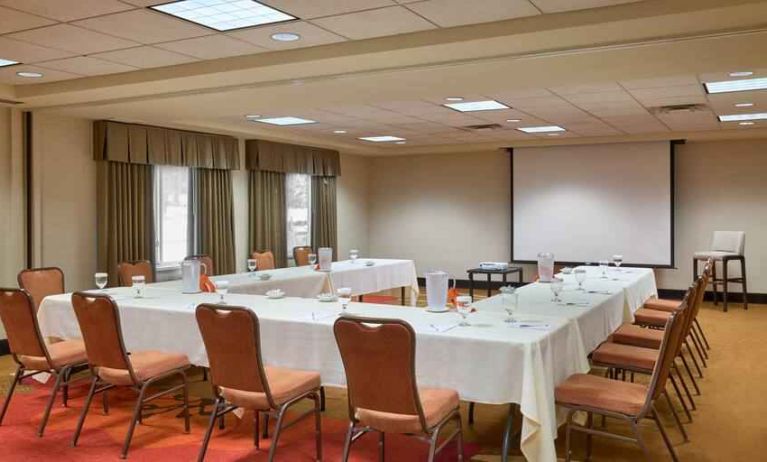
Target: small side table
490 273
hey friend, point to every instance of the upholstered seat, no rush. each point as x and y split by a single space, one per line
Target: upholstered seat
624 356
63 353
146 365
437 403
662 304
651 317
713 255
284 385
630 334
600 393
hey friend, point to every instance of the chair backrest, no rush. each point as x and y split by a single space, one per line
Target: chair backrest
379 360
207 261
264 259
301 255
41 282
127 269
729 241
233 343
99 321
17 312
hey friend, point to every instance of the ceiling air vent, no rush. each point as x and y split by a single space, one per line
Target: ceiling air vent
679 108
481 127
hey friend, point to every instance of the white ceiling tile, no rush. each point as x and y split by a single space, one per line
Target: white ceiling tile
408 107
587 88
311 35
555 6
659 82
8 75
639 123
314 9
144 26
72 38
67 10
144 2
145 57
375 23
24 52
12 20
211 47
84 65
448 13
672 100
511 95
662 92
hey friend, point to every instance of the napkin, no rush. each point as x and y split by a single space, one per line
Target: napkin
319 315
535 325
443 327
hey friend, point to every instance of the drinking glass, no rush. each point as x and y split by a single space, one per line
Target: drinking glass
510 301
312 259
138 284
463 306
101 280
604 264
353 254
580 276
556 288
617 260
222 287
252 265
344 296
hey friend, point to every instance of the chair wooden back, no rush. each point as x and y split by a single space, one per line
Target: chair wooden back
17 313
41 282
233 343
264 259
379 360
207 264
301 255
127 269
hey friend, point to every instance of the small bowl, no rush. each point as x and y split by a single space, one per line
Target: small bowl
275 293
567 270
264 276
327 297
370 263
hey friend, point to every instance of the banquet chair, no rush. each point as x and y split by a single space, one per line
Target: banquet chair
301 255
127 269
626 401
41 282
232 341
207 264
264 259
383 396
30 352
112 365
726 246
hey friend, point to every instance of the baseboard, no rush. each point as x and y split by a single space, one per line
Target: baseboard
4 348
734 297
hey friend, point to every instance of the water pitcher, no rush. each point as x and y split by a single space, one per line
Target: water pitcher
325 257
545 266
436 290
190 274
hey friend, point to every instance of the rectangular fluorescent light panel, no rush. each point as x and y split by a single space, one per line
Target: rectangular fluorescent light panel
7 62
545 129
382 139
727 86
224 15
741 117
285 121
472 106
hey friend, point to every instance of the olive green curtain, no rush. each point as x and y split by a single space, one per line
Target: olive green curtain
268 218
125 215
291 158
324 228
213 210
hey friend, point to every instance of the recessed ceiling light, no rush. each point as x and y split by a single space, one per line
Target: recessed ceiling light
381 138
252 116
400 142
744 104
727 86
741 74
543 129
746 123
553 134
471 106
286 37
224 15
339 132
454 98
7 62
29 74
513 120
285 121
739 117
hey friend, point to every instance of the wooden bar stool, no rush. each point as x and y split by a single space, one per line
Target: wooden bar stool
725 247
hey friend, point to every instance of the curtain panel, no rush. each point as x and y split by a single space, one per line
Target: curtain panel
144 144
324 228
267 215
125 215
213 218
291 158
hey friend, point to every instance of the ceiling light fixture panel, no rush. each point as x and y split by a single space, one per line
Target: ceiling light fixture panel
739 117
728 86
224 15
381 138
284 121
474 106
542 129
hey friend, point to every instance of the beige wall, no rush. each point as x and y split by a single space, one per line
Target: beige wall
352 195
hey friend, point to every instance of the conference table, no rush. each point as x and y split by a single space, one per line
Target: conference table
489 361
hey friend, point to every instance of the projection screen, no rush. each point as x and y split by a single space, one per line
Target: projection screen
586 203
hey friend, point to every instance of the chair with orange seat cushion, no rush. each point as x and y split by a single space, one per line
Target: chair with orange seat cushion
31 354
127 269
629 402
207 264
264 259
241 380
112 365
41 282
379 360
301 255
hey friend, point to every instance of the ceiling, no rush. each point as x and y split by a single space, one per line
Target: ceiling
599 68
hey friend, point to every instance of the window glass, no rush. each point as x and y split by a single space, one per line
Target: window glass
298 191
171 213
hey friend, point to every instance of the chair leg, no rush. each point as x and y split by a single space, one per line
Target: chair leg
257 429
589 437
433 445
348 442
187 424
663 433
459 437
84 412
698 349
689 373
67 371
134 420
318 426
265 432
698 342
725 284
209 431
51 400
679 395
471 413
702 334
7 401
676 416
713 284
381 446
105 401
506 434
568 432
277 431
693 358
743 275
686 389
640 441
322 399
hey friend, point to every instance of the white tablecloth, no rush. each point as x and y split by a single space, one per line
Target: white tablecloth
488 362
385 274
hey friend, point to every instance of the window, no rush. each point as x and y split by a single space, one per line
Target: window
298 198
171 195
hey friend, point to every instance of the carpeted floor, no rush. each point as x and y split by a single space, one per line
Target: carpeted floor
728 425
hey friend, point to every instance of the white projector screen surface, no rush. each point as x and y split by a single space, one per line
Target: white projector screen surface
587 203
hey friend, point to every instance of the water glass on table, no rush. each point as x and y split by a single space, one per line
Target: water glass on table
353 255
312 259
580 277
101 280
222 288
252 265
510 300
138 283
344 297
556 287
604 264
617 261
463 306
